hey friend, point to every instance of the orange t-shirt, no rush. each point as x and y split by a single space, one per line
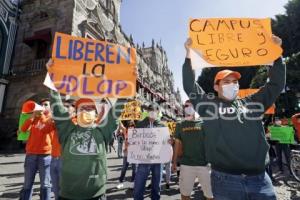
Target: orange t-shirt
39 141
56 148
296 124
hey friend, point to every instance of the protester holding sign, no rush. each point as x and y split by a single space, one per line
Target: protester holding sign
190 134
284 135
38 151
143 170
84 170
235 143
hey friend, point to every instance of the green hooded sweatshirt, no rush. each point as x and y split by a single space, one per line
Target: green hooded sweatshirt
84 169
234 135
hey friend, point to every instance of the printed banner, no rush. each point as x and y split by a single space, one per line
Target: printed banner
149 145
85 67
132 111
247 92
234 41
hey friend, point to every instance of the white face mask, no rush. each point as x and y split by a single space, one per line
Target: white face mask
152 114
278 122
189 111
230 91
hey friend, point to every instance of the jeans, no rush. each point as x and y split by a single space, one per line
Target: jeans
285 148
241 187
34 163
55 170
120 146
142 174
168 172
124 169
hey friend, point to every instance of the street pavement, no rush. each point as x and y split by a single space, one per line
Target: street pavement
12 177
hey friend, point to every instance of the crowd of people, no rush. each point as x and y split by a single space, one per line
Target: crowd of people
225 148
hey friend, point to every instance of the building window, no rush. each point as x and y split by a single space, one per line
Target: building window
88 35
113 9
42 50
103 2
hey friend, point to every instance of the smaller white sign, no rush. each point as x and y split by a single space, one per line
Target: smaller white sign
149 145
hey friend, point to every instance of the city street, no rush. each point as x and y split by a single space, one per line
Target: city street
11 180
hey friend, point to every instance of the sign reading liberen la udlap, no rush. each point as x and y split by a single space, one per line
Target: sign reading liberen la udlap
149 145
86 67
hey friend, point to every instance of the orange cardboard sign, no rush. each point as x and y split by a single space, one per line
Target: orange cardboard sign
86 67
234 41
247 92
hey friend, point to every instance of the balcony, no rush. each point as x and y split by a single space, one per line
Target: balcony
36 67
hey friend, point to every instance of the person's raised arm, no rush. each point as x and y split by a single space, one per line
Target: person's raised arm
194 92
268 94
59 111
60 114
111 121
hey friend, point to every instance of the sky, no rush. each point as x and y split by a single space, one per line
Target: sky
167 21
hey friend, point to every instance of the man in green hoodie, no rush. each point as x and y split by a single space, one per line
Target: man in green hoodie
235 143
84 169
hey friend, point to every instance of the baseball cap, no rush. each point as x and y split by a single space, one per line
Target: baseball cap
85 102
224 73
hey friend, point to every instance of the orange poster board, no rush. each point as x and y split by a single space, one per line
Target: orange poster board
234 41
85 67
247 92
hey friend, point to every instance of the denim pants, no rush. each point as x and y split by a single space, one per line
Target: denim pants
141 176
124 169
34 163
285 149
120 146
168 172
241 187
55 170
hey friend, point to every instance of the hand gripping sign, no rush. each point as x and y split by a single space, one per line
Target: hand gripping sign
86 67
234 41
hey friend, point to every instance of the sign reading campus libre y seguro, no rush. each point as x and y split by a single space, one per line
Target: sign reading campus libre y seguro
234 41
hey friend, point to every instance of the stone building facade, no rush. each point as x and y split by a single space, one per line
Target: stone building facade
8 27
96 19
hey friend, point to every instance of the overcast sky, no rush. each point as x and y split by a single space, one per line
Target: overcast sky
167 20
